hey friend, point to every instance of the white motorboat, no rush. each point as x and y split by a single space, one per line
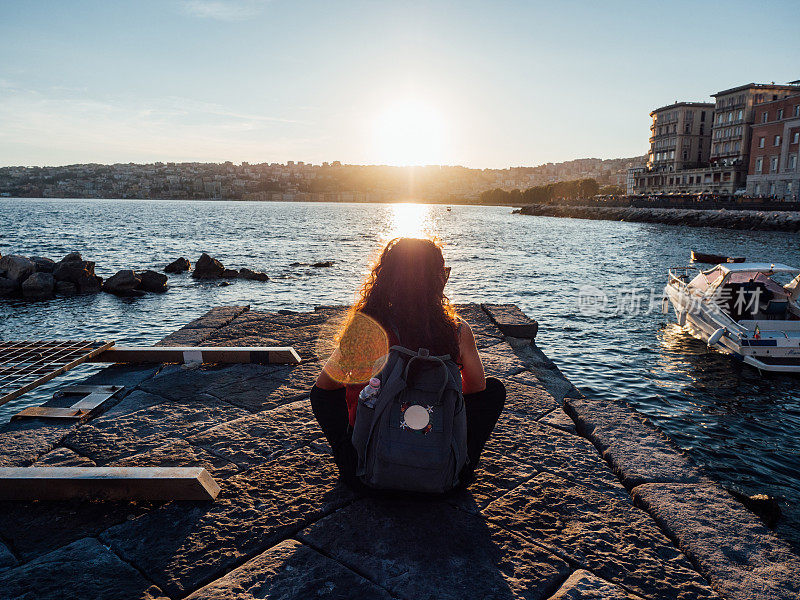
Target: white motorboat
749 310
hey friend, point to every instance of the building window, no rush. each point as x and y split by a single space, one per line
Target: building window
773 164
703 114
761 142
764 116
796 137
777 140
780 114
736 146
797 110
730 117
759 164
727 147
702 127
792 162
771 189
788 188
739 116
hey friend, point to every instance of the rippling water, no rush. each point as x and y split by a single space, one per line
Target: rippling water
744 428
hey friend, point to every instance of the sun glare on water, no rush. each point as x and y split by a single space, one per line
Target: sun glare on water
409 133
410 220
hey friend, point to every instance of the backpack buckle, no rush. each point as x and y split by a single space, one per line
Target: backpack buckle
424 352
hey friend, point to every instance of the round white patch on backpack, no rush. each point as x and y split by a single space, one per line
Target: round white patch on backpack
417 417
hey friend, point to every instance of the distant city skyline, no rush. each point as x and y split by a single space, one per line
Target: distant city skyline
483 85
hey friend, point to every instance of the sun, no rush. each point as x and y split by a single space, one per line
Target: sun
409 132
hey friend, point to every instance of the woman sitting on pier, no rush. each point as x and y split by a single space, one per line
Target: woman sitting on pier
402 302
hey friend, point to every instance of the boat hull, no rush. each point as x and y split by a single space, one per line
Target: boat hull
769 351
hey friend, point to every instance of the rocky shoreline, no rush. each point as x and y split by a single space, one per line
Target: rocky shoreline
729 219
40 278
575 499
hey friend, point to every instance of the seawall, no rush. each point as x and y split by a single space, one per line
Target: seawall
729 219
574 499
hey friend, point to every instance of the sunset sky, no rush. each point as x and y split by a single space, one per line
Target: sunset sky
481 84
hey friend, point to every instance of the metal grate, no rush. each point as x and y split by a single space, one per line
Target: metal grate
27 364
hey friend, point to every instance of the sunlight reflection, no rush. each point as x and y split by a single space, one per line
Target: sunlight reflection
410 220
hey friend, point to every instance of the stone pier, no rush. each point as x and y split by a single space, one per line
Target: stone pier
575 499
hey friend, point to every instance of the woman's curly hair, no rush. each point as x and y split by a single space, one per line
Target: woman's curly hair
405 292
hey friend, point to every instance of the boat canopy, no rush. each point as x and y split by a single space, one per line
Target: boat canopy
753 267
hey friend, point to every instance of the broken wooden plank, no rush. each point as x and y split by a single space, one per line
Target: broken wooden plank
141 483
91 397
49 412
205 354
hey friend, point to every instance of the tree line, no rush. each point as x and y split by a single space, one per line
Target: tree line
549 193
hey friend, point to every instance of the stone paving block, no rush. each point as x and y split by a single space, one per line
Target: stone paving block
291 570
430 550
63 457
136 400
183 546
178 383
734 550
484 342
180 453
478 320
560 420
582 585
599 532
496 474
256 439
531 399
22 442
112 437
84 569
501 362
36 528
511 320
7 559
273 388
545 370
187 337
217 317
524 441
637 452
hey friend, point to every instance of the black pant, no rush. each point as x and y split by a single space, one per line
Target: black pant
330 409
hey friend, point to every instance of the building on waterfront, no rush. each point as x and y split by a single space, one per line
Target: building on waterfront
774 168
683 160
680 139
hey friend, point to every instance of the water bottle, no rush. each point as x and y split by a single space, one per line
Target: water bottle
369 395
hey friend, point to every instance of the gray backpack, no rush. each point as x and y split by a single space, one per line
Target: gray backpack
414 438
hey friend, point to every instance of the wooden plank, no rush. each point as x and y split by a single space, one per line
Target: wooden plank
100 347
91 397
209 354
49 412
141 483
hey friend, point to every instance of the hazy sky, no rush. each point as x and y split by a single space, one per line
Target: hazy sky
482 84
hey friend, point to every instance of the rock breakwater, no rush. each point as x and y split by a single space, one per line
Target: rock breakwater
729 219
